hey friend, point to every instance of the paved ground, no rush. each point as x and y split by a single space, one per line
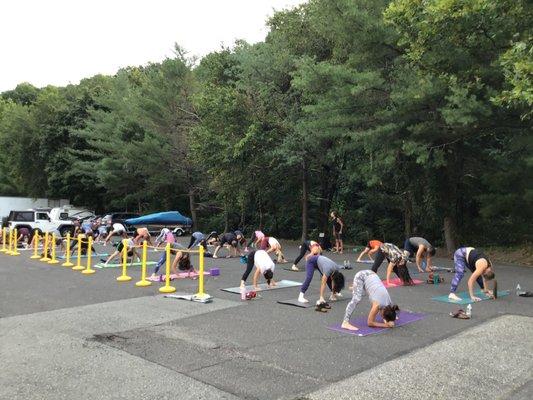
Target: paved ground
66 335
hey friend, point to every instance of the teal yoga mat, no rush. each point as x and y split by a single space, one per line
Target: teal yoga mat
75 256
135 264
465 297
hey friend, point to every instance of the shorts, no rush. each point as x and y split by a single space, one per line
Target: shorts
338 235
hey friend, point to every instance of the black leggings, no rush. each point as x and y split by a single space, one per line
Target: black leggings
304 248
380 257
249 265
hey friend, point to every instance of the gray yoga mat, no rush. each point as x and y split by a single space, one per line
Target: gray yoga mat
264 287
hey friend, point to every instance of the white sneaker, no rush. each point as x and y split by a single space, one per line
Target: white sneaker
302 299
294 268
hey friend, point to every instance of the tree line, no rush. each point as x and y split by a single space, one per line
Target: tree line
408 117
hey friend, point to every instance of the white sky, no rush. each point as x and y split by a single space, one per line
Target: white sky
62 41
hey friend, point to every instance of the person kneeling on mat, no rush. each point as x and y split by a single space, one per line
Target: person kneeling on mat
368 281
330 276
478 264
130 246
305 247
263 264
397 262
371 247
420 247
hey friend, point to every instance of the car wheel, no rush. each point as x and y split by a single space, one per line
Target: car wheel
178 232
65 230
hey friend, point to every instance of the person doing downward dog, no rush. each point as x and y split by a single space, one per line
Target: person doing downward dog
271 244
478 264
256 238
130 248
263 265
165 236
330 276
420 247
116 229
200 239
141 235
371 247
397 262
368 282
230 241
305 247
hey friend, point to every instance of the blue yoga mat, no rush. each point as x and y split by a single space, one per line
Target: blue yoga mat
465 297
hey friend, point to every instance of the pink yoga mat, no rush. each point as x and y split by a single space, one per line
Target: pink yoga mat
181 275
405 317
397 282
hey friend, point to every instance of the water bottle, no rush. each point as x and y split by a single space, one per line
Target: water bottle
469 310
436 278
349 265
344 264
518 289
243 292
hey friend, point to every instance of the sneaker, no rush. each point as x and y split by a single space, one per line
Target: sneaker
294 268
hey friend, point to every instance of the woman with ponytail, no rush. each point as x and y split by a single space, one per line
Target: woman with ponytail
368 281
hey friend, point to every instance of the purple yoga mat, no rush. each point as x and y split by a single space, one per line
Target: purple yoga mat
405 317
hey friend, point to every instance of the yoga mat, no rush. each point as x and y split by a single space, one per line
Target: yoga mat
365 262
296 303
181 275
441 269
75 256
291 270
397 283
264 287
135 264
404 318
465 297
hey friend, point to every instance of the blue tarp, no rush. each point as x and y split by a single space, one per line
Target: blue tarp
161 218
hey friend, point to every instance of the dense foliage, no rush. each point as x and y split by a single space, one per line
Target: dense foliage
406 116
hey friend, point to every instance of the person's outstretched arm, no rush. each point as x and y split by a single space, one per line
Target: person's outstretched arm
323 283
362 254
418 260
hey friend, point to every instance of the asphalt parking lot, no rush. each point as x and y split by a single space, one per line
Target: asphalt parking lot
67 335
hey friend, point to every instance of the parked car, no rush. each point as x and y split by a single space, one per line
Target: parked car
38 220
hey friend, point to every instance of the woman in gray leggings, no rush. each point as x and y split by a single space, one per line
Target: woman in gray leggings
368 281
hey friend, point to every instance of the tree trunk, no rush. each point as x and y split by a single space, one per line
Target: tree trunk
408 216
226 217
192 208
305 201
450 234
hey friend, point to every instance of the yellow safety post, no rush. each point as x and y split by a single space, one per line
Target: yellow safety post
54 259
167 288
78 266
201 295
45 257
144 282
10 243
89 270
3 249
36 240
15 251
67 262
124 277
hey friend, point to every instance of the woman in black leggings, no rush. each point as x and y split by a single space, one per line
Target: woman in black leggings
304 248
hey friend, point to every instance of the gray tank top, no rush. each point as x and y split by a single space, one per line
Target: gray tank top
376 290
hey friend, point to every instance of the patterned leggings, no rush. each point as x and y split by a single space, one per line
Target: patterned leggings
358 291
461 263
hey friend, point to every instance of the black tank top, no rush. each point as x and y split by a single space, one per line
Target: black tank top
474 256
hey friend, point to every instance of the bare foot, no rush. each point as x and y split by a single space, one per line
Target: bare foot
454 297
348 326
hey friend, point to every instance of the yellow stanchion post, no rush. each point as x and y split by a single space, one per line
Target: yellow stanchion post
36 240
10 243
4 237
45 257
89 270
54 259
167 288
144 282
78 266
67 262
201 295
124 277
15 251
